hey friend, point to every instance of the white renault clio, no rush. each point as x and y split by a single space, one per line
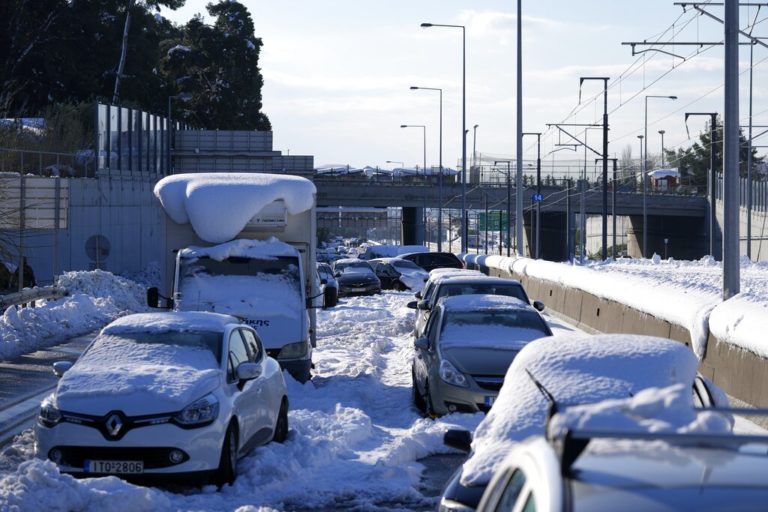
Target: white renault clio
157 394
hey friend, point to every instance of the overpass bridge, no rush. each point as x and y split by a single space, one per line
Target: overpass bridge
679 217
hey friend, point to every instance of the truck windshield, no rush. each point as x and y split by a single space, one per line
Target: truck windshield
240 285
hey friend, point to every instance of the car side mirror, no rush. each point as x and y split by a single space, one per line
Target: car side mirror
459 439
422 343
412 304
153 297
538 305
60 367
417 295
323 281
248 371
423 305
337 274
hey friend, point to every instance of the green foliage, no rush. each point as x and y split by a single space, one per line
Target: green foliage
67 51
694 162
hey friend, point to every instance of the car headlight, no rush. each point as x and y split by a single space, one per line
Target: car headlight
293 351
451 375
49 414
199 413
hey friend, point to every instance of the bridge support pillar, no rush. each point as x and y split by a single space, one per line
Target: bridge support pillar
412 229
686 237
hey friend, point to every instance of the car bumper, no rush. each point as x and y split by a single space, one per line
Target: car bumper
447 398
151 445
349 291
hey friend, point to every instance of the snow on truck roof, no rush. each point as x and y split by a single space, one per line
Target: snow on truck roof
270 248
219 205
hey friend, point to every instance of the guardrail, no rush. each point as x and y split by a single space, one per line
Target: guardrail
30 295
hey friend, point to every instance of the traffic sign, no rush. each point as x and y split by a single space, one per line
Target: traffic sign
537 198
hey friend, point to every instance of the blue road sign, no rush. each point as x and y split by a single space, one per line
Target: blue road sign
537 198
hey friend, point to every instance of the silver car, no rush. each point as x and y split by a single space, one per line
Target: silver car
653 472
469 342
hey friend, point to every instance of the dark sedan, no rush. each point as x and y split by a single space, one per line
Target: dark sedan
432 260
355 277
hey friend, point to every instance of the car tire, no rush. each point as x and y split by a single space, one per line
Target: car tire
429 409
418 400
227 470
281 426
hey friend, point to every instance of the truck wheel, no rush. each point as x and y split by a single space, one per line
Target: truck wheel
227 470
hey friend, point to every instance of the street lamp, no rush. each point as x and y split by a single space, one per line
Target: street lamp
509 200
645 173
440 164
662 132
463 128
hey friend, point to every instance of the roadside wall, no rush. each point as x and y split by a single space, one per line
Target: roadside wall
739 372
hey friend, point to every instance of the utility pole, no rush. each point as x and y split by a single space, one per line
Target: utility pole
712 175
123 53
538 192
731 269
519 181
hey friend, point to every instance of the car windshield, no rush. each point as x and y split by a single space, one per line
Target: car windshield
480 288
354 266
210 341
405 265
496 328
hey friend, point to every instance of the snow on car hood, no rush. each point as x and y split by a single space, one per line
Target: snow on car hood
575 370
413 279
136 378
219 205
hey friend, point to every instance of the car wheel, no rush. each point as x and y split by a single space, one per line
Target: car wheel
227 470
281 427
418 400
429 409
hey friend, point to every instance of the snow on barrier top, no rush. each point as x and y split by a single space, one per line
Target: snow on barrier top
219 205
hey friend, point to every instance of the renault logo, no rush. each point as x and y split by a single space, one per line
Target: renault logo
114 424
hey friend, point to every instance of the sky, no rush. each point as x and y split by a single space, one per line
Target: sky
337 75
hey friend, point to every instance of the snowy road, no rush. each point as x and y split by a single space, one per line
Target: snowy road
354 442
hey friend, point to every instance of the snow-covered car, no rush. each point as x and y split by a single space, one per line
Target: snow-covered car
574 369
399 274
469 342
432 260
160 394
328 285
653 451
355 277
450 285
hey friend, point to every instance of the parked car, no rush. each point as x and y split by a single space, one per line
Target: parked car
432 260
355 277
574 369
605 468
465 284
328 284
159 394
399 274
469 342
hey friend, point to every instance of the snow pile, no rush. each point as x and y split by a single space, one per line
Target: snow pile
261 249
95 298
575 370
667 409
219 205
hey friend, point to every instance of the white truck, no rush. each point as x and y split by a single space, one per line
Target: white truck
244 244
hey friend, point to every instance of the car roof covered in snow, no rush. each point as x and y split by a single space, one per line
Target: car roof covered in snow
482 302
170 321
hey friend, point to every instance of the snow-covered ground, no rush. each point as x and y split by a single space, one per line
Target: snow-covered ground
354 442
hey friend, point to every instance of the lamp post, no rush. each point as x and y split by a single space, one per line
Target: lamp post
463 128
662 132
645 173
474 146
424 162
642 176
509 201
440 164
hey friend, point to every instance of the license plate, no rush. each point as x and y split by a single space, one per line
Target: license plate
489 400
114 467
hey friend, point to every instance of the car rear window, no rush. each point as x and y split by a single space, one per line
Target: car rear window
507 290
